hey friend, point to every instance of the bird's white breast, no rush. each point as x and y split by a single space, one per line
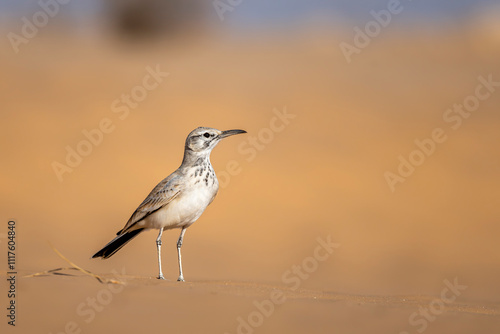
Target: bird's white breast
184 209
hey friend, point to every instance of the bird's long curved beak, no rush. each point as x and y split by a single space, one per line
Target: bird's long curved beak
228 133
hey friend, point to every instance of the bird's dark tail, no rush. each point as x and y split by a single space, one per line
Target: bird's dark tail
116 244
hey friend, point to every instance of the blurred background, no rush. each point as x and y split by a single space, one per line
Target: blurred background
154 70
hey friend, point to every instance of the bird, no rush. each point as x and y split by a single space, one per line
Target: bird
179 199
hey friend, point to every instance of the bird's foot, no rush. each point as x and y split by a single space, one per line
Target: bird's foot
180 279
160 277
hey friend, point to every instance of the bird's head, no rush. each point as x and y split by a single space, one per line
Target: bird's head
204 139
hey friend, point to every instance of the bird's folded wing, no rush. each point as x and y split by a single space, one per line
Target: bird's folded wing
160 196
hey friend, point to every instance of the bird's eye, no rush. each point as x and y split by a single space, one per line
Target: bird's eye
206 134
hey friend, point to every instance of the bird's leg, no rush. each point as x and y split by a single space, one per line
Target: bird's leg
179 244
158 247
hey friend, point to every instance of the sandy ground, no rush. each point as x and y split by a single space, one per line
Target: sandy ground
421 258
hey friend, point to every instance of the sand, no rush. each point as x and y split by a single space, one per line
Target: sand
420 256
